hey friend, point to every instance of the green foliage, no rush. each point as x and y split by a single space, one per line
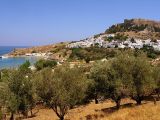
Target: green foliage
87 59
22 89
151 53
111 78
143 82
96 45
156 75
93 53
125 75
62 89
157 29
25 67
98 35
45 63
1 115
4 74
109 39
12 103
116 37
120 37
44 84
18 93
98 74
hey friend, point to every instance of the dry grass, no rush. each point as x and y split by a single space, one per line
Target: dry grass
106 111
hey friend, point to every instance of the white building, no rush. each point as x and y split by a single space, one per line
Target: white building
138 43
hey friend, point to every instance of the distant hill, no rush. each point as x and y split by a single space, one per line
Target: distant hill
137 28
136 25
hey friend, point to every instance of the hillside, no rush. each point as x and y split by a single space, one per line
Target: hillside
137 28
135 33
56 51
105 111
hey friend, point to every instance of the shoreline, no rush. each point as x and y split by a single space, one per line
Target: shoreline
16 61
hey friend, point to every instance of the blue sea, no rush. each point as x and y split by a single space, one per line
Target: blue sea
15 61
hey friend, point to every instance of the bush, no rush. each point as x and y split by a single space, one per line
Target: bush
151 53
93 53
45 63
25 67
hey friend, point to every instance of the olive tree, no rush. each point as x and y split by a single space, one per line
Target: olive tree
7 99
143 82
100 84
119 77
62 89
19 93
156 77
112 78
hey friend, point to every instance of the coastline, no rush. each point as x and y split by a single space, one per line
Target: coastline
14 62
9 60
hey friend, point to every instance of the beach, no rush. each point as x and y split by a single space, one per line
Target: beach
13 62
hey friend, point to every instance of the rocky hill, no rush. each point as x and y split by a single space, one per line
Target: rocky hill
137 28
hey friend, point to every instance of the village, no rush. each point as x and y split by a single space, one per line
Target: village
114 43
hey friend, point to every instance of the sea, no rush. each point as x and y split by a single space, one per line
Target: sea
13 62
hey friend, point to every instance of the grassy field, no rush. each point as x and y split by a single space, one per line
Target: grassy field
106 111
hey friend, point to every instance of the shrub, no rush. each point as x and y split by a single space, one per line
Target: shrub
45 63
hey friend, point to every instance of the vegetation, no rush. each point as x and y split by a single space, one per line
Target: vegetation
45 63
98 35
93 53
151 53
25 67
62 90
109 39
143 82
132 25
112 78
116 37
17 92
128 75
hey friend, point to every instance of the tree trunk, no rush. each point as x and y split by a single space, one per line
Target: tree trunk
96 99
62 118
139 101
12 116
71 107
118 104
31 113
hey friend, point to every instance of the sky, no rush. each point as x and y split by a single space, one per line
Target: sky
42 22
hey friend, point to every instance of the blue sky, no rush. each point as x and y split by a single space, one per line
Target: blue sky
40 22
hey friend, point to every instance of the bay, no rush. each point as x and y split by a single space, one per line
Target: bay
13 62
